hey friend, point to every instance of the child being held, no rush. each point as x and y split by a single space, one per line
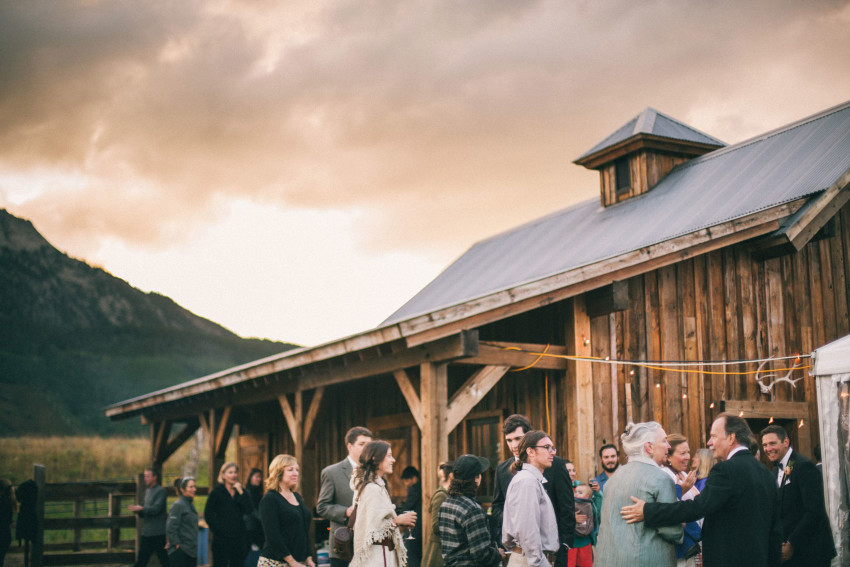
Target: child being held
587 522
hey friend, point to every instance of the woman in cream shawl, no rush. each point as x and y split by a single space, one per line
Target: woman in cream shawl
377 538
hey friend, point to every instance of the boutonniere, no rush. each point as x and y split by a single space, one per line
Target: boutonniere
789 468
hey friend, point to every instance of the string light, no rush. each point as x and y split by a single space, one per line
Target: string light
741 413
771 420
801 424
684 396
632 373
658 384
711 405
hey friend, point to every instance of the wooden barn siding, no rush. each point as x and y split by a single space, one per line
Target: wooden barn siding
722 305
717 306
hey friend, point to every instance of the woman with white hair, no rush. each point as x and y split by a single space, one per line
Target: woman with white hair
635 545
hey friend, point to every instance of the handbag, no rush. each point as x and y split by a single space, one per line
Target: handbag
343 538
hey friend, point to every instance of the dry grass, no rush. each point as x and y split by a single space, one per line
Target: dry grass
77 459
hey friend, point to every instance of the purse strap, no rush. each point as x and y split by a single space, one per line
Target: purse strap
353 517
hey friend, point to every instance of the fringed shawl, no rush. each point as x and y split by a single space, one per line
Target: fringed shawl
375 513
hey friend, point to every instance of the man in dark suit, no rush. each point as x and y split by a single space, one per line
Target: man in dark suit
412 503
806 533
558 486
739 503
335 496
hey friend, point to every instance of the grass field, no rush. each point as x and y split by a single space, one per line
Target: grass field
83 459
79 459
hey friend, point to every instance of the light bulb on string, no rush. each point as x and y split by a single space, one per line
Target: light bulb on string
741 413
801 424
711 405
684 396
771 420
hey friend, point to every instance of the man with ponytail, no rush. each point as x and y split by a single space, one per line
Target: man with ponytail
558 485
529 527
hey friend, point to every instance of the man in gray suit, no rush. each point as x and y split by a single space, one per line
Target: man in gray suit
335 497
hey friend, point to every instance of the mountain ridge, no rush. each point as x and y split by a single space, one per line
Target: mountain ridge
74 339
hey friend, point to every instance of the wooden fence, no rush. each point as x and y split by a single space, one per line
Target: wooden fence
92 506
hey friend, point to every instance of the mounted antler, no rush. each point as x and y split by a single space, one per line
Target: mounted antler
767 388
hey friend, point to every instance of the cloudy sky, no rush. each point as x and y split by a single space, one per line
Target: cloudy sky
298 170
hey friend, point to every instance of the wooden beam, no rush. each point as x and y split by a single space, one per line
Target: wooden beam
496 353
184 435
527 297
608 299
468 395
459 345
824 208
579 392
163 429
223 434
289 416
237 387
784 410
409 393
433 385
202 419
312 412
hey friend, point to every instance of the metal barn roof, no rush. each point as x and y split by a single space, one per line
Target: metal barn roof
650 121
796 161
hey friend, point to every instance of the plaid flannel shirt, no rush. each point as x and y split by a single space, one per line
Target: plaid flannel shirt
464 534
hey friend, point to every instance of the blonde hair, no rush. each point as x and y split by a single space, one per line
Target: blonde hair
706 461
276 468
584 489
223 468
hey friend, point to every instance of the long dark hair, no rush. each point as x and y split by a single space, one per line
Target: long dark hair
370 459
529 440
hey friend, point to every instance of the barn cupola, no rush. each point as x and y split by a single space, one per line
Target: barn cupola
632 160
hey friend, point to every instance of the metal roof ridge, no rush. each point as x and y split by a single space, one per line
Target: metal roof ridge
764 136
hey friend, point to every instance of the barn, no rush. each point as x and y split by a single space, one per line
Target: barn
698 282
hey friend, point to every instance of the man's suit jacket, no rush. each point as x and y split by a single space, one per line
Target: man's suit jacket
335 494
803 513
740 505
558 486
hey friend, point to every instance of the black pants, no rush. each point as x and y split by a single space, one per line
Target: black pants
179 558
337 562
229 551
148 545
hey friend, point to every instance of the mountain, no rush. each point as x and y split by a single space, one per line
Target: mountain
74 338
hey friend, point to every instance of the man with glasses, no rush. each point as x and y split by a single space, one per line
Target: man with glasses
557 483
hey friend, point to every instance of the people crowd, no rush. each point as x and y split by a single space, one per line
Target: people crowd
663 504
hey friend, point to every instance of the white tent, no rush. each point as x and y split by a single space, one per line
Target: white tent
832 374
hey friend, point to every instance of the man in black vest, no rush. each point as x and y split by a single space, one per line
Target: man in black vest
806 533
558 486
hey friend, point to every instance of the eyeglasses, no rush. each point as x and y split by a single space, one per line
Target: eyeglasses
549 448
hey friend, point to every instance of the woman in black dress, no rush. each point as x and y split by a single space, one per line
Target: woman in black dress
254 488
285 518
7 510
226 505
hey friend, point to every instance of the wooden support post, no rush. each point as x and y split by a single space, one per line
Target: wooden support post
433 388
114 541
78 532
39 475
140 498
579 392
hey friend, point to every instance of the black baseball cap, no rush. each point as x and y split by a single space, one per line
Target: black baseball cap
467 467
